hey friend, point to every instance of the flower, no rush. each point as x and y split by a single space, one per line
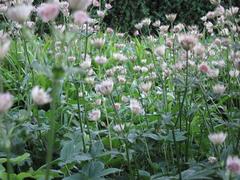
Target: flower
98 42
187 41
159 51
94 115
119 127
101 13
171 17
81 17
100 59
203 68
40 97
233 164
4 44
215 2
80 4
145 87
6 102
217 138
234 73
86 64
48 11
212 159
108 6
219 89
136 107
19 13
199 50
120 57
105 87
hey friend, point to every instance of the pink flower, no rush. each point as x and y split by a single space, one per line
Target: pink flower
96 3
233 164
81 17
48 11
6 102
203 68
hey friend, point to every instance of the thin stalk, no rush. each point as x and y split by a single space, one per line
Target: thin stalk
54 116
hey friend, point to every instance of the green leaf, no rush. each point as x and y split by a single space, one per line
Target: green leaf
109 171
20 159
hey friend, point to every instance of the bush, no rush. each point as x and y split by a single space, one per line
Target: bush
126 13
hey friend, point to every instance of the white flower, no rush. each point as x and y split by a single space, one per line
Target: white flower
119 127
145 87
159 51
188 41
6 102
19 13
105 87
219 89
94 115
86 64
39 96
217 138
136 107
100 59
4 44
120 57
234 73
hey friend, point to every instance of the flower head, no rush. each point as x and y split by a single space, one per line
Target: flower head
81 17
217 138
6 102
233 164
40 97
219 89
136 107
94 115
187 41
4 44
48 11
105 87
19 13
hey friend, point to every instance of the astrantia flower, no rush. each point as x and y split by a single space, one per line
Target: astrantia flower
80 4
215 2
234 73
101 13
171 17
145 87
120 57
187 41
100 59
94 115
199 50
6 102
48 11
19 13
40 97
233 164
136 107
159 51
219 89
4 44
203 68
119 127
105 87
217 138
98 42
81 17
